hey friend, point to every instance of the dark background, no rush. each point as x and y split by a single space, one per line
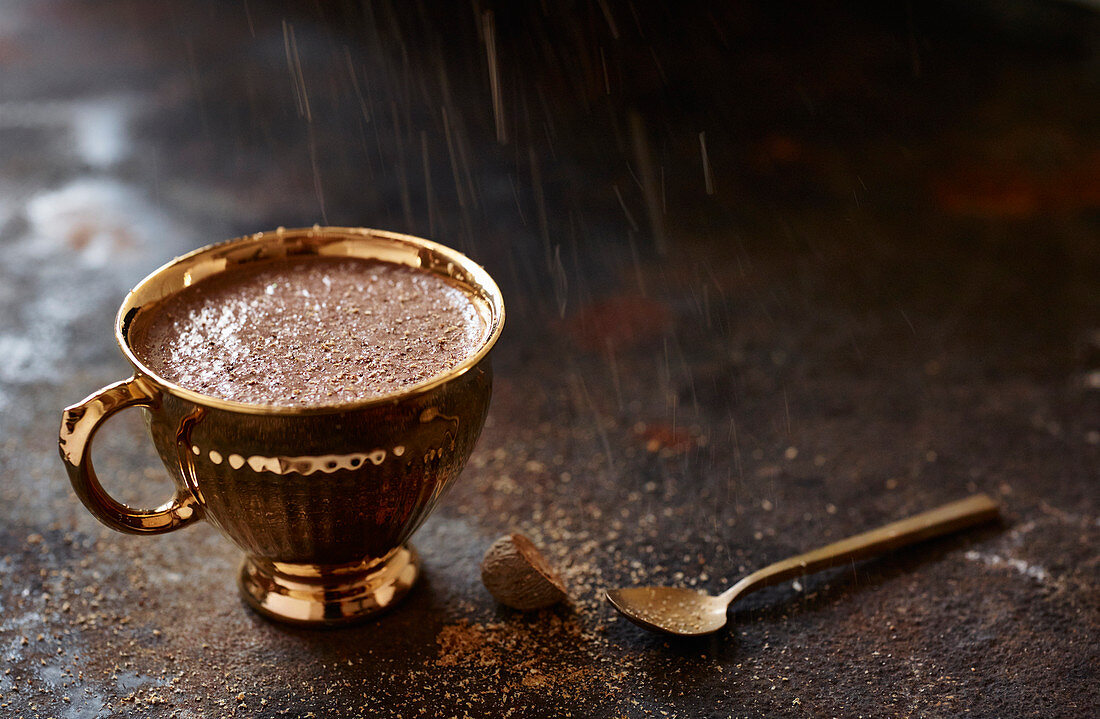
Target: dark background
775 274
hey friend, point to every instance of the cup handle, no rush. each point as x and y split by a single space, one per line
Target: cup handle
78 426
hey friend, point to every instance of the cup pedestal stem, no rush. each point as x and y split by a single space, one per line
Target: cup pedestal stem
320 595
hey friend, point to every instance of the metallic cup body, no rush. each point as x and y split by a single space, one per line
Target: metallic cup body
323 488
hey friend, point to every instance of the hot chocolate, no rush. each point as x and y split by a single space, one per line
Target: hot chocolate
310 331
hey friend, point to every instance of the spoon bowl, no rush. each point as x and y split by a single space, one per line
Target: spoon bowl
688 613
672 610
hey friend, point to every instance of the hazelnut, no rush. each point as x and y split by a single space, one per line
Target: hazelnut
518 576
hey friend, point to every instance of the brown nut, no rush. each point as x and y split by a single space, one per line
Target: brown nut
518 576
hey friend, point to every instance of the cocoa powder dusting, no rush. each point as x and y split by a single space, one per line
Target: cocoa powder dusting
312 331
550 651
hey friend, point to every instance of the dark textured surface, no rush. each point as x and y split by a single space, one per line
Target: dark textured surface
889 300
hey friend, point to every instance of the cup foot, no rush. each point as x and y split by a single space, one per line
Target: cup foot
326 595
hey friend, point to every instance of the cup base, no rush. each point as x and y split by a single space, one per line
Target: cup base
326 595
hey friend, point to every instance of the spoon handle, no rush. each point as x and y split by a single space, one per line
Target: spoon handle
926 525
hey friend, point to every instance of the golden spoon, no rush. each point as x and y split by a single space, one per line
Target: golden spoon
689 613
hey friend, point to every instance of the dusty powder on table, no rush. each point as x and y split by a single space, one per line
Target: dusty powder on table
539 654
311 331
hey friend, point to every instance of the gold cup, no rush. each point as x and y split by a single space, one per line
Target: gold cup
321 499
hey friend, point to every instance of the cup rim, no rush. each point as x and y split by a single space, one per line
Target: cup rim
311 241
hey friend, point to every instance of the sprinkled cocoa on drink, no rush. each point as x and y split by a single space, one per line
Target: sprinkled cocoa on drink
310 331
